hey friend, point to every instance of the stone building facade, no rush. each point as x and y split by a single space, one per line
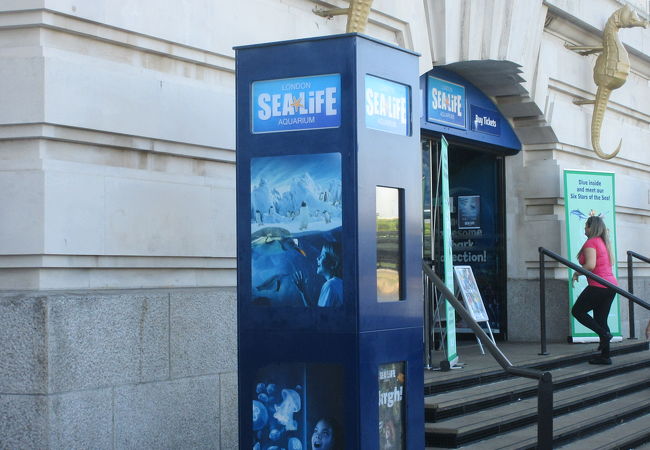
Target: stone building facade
117 191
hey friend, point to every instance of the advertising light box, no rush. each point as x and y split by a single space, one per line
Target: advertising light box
446 102
328 293
293 104
387 106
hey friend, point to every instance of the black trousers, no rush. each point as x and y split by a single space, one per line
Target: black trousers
596 299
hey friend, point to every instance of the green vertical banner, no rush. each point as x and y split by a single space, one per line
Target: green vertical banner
452 356
589 194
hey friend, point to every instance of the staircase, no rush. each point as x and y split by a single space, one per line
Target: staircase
594 407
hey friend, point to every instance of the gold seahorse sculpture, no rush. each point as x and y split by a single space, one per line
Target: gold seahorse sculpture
357 12
611 70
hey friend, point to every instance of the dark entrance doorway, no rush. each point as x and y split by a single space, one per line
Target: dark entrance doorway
476 190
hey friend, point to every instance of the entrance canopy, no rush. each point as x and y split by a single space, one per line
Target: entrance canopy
455 107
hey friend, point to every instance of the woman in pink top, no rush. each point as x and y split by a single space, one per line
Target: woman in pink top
596 256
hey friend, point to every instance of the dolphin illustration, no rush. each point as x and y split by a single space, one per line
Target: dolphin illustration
579 214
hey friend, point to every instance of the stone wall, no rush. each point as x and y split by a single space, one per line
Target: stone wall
118 369
524 311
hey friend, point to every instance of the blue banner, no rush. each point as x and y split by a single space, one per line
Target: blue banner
446 103
485 121
387 106
293 104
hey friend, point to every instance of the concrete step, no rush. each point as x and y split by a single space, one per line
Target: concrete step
489 422
631 434
549 362
453 403
575 425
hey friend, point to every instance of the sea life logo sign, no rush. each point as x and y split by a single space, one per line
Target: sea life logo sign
296 220
588 194
445 102
293 104
387 106
298 407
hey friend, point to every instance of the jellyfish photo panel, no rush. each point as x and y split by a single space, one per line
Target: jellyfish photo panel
329 288
295 403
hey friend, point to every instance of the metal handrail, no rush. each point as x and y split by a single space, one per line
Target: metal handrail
630 286
585 272
545 385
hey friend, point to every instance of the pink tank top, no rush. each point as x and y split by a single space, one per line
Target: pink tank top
603 265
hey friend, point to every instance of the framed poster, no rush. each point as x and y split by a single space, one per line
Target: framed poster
470 293
469 212
296 220
392 405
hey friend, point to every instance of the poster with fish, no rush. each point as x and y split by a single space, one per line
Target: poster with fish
298 407
469 212
296 220
392 406
589 194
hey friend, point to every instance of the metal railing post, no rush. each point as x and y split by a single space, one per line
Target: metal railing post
542 302
630 289
545 412
545 389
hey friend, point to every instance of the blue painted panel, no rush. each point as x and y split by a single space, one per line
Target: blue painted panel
495 131
388 105
394 161
485 120
293 104
403 345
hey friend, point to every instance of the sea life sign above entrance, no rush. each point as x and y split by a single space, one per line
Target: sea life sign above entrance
455 107
294 104
446 102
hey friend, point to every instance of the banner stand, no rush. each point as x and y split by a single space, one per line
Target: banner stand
588 194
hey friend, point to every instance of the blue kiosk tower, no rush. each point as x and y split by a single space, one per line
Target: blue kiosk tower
329 245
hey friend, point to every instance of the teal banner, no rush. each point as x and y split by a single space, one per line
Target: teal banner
589 194
452 355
